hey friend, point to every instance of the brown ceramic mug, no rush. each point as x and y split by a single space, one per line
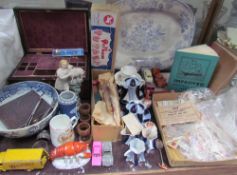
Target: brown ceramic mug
84 109
83 129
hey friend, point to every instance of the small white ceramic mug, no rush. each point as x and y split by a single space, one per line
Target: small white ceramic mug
61 129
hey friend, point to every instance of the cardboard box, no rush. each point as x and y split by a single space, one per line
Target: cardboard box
43 30
226 68
103 132
176 159
104 21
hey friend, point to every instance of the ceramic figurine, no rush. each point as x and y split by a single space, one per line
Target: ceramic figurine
133 86
125 72
77 77
63 75
69 77
130 84
136 149
140 109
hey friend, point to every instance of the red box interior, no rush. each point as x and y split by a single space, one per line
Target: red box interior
47 29
44 30
44 65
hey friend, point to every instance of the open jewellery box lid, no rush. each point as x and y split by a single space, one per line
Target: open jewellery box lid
42 30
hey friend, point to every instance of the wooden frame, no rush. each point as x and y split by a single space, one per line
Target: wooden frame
210 20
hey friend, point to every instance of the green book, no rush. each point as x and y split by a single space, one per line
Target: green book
192 67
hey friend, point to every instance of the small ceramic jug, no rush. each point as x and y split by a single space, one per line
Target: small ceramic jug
68 103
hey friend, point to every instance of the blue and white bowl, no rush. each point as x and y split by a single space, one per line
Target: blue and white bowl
10 92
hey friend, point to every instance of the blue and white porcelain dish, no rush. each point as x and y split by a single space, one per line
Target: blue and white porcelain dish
10 92
152 30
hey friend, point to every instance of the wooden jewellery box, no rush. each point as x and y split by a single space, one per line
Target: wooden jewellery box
43 30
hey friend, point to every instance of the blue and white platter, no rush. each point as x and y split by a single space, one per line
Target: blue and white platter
152 30
13 91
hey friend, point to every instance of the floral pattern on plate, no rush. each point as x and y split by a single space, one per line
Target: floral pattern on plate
153 30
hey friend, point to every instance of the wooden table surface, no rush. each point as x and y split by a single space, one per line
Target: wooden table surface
120 166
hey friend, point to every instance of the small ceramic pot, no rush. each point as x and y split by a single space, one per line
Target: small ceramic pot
68 103
83 129
84 109
85 118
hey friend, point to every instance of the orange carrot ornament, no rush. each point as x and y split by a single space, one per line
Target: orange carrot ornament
71 149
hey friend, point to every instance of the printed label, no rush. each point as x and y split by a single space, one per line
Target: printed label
177 113
102 39
100 47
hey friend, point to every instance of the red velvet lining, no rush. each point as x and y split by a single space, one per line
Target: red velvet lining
53 29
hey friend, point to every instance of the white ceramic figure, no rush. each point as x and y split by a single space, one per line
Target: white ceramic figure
136 149
139 109
130 83
126 71
69 77
150 133
77 76
63 75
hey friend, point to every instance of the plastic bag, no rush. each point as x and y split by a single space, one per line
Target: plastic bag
214 138
227 115
204 141
197 95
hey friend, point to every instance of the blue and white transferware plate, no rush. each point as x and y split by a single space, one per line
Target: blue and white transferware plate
13 91
152 30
